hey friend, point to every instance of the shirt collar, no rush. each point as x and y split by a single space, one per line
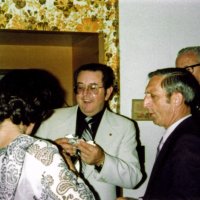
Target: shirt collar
97 116
170 129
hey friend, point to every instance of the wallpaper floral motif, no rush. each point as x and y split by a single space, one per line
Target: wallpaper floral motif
68 15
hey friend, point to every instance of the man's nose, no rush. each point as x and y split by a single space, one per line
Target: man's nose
146 102
86 91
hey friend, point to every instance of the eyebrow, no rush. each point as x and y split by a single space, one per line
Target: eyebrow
195 65
87 84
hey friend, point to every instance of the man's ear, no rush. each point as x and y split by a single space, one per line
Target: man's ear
177 98
108 93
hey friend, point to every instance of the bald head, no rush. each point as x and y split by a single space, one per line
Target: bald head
190 57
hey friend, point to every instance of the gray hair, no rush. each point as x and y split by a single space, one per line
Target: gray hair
194 49
179 80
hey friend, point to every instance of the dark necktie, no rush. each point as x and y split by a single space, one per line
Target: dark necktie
87 136
87 132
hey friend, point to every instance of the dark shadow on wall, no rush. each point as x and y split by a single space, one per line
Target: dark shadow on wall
141 154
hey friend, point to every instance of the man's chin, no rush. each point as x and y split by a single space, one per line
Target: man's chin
154 120
87 111
157 123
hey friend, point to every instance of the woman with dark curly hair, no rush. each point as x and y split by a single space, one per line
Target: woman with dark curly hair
31 168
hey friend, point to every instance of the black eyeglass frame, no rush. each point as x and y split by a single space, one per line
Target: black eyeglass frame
191 67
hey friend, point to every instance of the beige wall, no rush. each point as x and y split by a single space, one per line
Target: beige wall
59 54
151 33
55 59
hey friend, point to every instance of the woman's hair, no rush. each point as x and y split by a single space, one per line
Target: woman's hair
28 96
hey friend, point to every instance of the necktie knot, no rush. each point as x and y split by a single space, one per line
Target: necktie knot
89 121
87 132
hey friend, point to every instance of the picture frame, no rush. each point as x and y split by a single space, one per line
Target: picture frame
139 113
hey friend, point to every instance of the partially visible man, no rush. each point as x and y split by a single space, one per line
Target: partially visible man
189 58
171 98
113 160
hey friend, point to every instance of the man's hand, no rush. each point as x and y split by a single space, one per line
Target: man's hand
66 146
91 154
69 163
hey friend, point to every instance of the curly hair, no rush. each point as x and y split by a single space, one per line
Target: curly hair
25 97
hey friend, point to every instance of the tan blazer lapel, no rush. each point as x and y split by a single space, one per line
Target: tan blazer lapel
71 121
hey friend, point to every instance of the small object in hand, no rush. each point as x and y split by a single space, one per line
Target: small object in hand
72 139
91 142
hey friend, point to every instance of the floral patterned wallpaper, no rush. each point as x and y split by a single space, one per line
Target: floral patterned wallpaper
68 15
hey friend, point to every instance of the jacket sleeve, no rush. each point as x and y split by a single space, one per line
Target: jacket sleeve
121 166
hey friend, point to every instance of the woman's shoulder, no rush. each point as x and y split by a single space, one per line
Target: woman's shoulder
43 150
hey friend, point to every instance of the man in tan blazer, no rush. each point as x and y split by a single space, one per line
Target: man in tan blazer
112 160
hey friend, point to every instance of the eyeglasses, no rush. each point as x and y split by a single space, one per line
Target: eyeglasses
92 88
191 67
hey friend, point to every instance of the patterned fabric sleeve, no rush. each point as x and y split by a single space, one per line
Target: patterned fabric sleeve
41 173
57 180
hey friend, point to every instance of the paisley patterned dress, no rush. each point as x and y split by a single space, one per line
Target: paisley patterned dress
33 169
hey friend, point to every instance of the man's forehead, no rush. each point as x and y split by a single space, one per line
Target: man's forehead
90 76
154 85
155 81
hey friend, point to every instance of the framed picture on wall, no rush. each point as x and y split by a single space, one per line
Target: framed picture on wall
139 113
